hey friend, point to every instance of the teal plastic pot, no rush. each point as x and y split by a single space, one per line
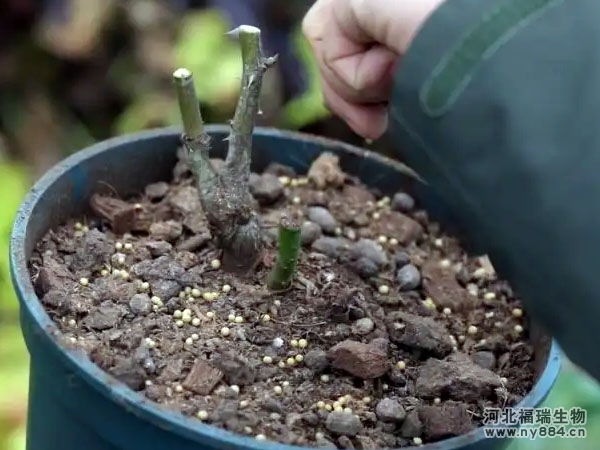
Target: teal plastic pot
73 405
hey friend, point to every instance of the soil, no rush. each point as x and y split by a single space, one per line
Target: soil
390 336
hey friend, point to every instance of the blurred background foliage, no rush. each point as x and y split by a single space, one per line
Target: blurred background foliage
75 72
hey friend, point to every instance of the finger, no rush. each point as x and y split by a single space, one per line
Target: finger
358 78
378 21
362 76
368 121
316 19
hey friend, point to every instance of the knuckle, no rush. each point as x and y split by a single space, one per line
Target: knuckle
309 27
306 26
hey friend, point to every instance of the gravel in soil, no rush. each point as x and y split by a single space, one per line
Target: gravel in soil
390 336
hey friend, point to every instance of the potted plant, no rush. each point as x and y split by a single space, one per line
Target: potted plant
238 287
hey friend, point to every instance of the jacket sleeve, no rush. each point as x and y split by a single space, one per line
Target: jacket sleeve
497 107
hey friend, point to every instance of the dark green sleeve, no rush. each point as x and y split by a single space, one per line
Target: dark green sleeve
497 106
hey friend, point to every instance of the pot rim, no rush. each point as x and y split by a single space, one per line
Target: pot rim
136 403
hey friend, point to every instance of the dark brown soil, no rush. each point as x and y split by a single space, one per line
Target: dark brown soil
390 336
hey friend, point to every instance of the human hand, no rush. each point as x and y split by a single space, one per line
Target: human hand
357 45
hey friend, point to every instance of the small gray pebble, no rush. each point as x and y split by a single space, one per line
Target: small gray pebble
140 304
363 326
322 217
364 267
309 232
265 188
159 248
408 278
401 259
368 248
172 304
330 246
345 443
487 360
339 422
316 360
390 410
402 202
272 405
164 288
412 425
310 418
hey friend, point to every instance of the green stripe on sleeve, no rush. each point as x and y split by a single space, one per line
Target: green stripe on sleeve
455 70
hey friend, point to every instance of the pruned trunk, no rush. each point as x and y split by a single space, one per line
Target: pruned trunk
225 196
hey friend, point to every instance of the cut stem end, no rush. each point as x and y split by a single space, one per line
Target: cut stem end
283 272
193 125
